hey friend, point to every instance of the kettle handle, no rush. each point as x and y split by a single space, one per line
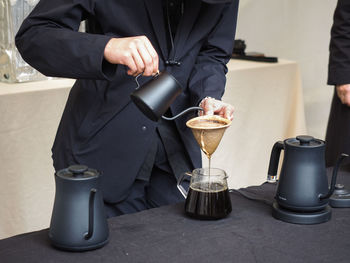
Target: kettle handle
274 158
88 235
139 75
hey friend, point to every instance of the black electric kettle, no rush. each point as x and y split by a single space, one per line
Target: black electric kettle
78 220
303 183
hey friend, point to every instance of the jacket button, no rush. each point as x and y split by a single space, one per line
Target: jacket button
144 128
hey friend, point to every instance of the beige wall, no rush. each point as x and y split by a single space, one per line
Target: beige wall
297 30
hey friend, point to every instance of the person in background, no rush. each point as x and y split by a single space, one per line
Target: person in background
338 129
100 126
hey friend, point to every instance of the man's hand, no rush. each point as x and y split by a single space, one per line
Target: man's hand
343 92
212 106
137 53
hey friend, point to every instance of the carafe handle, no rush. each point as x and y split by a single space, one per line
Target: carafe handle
182 190
274 159
92 198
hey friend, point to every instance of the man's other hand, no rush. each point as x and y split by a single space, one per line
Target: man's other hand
216 107
343 92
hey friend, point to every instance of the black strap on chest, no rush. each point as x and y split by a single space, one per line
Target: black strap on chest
173 11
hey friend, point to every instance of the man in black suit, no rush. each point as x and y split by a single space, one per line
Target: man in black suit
338 130
100 127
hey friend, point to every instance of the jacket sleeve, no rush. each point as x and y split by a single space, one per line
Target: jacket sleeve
208 75
49 41
339 56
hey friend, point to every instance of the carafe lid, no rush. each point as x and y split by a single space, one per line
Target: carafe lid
77 172
305 141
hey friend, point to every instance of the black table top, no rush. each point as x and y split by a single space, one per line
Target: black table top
248 234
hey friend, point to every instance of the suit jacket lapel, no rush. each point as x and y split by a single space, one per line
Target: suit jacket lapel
155 12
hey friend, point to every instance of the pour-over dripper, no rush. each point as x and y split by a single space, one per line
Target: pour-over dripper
208 131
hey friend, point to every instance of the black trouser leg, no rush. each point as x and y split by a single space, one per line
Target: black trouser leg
338 133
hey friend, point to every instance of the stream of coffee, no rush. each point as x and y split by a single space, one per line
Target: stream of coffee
207 144
209 140
207 151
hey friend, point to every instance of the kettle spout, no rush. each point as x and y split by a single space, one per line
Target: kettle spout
334 177
182 113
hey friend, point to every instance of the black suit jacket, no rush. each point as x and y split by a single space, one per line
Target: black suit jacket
100 126
338 128
339 55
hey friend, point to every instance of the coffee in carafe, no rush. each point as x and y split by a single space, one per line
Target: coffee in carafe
208 204
208 196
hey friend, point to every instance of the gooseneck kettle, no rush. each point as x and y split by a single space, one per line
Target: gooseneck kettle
155 97
78 220
303 183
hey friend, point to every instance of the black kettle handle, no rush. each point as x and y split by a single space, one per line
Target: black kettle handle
90 232
139 75
274 159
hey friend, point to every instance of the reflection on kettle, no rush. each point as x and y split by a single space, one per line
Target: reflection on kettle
155 97
78 220
302 195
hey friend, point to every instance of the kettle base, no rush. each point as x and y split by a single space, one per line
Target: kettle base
303 218
79 248
340 197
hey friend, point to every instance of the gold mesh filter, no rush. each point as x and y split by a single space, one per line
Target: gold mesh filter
208 131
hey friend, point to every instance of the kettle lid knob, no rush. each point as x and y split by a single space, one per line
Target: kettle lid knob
78 172
77 169
305 139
